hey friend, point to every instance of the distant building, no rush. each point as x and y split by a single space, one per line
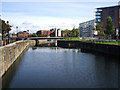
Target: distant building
87 28
43 33
103 12
23 34
55 32
59 32
52 32
14 35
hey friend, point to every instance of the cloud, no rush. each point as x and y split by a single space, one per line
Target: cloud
44 16
26 23
60 0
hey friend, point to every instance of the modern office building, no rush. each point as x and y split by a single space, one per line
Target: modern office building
112 11
87 28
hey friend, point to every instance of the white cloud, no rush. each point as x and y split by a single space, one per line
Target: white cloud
64 15
34 23
60 0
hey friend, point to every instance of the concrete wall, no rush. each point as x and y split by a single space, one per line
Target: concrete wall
113 50
9 53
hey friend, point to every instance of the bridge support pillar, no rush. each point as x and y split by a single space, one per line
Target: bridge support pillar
56 43
37 42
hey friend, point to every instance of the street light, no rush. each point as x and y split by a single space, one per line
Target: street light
27 33
8 30
17 30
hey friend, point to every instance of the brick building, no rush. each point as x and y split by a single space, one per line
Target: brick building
43 33
14 35
112 11
23 34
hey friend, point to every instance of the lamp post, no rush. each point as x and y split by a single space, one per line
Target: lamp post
8 30
17 30
27 33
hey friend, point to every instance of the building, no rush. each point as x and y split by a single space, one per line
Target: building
112 11
43 33
55 32
14 35
23 34
59 32
87 28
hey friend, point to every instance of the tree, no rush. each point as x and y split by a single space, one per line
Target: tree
75 32
99 28
109 27
119 29
34 35
4 27
67 33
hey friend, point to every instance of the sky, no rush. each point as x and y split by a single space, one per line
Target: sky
34 15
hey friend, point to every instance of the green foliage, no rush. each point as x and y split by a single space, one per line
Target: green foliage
110 27
101 33
34 35
97 42
3 36
119 29
71 33
67 33
75 32
73 39
105 42
4 27
99 28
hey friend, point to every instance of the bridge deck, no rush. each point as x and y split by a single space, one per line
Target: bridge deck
36 38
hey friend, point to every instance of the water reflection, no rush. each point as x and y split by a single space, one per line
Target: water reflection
6 79
48 66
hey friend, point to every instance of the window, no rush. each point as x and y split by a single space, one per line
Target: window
99 20
98 13
99 9
98 16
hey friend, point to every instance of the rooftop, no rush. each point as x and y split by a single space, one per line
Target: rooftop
109 7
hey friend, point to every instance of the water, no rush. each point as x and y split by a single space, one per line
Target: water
53 67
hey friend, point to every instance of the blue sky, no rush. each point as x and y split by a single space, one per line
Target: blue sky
46 15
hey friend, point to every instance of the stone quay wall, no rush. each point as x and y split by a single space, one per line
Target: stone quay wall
9 53
113 50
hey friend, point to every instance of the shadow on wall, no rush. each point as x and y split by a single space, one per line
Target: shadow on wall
7 77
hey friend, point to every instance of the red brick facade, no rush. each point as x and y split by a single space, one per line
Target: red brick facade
23 34
109 11
43 33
